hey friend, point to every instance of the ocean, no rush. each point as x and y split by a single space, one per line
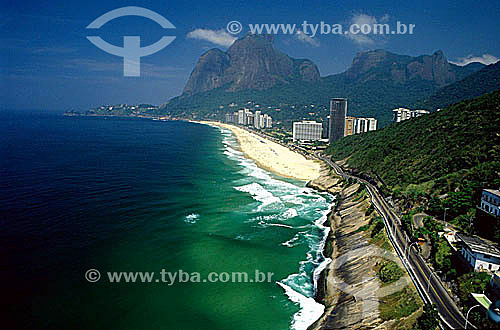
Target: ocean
136 195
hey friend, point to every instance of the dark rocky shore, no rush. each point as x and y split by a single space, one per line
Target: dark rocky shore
349 287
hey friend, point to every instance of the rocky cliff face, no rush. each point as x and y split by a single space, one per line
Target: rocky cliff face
250 63
381 64
349 287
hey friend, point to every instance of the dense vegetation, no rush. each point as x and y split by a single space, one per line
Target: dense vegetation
371 93
449 150
455 152
371 98
429 320
481 82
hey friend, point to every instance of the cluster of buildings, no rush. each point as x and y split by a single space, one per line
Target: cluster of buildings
339 125
246 117
479 253
401 114
355 125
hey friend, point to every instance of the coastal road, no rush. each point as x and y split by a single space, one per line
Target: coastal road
433 292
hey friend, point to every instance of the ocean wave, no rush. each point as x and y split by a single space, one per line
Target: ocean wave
264 224
304 210
290 213
309 312
191 218
260 194
292 242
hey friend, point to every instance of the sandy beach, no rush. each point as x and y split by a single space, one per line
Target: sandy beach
273 156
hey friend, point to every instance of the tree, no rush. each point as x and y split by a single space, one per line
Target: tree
429 320
464 221
459 202
472 283
442 257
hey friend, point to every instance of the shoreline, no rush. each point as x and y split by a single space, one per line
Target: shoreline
344 228
323 223
351 234
272 156
347 230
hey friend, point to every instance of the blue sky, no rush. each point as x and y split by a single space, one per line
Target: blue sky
46 61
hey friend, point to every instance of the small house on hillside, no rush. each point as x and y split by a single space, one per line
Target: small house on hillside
490 201
481 254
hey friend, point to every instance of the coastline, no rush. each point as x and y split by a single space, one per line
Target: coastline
272 156
349 305
347 230
251 145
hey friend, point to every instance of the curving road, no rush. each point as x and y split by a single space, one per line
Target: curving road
433 292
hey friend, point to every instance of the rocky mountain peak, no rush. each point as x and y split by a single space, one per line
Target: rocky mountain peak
381 64
251 62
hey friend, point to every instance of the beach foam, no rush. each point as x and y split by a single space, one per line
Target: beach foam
300 210
310 310
191 218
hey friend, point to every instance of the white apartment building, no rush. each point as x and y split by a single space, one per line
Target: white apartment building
362 125
480 254
241 117
256 120
269 122
401 114
307 131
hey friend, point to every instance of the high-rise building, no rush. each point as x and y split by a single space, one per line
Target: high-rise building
269 122
372 124
307 131
241 117
256 120
338 112
250 119
349 125
355 125
326 132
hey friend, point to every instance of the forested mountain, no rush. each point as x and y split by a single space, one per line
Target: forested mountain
478 83
253 70
451 150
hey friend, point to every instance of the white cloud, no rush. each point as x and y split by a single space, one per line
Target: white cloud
307 39
486 59
219 37
363 39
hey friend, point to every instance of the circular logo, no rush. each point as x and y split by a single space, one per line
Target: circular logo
92 275
234 27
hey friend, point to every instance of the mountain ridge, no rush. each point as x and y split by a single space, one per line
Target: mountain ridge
252 70
478 83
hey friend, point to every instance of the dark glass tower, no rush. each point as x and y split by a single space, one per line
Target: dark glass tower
338 112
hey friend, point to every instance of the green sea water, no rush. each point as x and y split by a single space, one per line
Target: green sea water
142 196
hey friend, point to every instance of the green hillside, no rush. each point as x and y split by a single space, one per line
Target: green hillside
478 83
370 98
456 149
376 82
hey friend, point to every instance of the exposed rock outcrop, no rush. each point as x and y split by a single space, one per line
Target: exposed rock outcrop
379 64
250 63
349 287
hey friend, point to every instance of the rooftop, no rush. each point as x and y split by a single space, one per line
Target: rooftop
493 191
476 244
